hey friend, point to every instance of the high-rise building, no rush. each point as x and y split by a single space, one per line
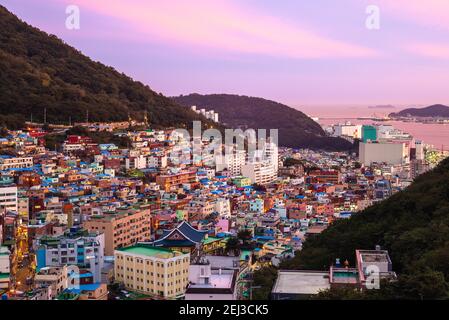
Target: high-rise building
260 172
263 164
419 147
390 153
233 162
369 133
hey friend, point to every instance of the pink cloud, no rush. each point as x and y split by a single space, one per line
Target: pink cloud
433 13
431 50
223 26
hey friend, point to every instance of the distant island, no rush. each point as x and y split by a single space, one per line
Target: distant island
384 106
434 111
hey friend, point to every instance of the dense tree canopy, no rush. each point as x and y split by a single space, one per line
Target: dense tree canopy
413 225
39 71
296 130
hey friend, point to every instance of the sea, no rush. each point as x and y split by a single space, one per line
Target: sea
433 134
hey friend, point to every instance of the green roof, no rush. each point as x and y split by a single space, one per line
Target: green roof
149 251
4 275
211 239
245 253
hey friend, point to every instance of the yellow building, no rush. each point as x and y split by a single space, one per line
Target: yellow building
152 270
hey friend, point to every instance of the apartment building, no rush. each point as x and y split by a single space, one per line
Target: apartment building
76 247
4 267
166 182
8 162
260 172
152 270
207 282
329 176
232 162
54 278
138 162
123 227
157 161
200 208
8 197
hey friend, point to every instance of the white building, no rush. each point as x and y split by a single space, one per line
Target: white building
223 207
206 283
8 197
139 162
211 114
349 130
263 165
54 278
419 150
260 172
390 153
233 162
7 162
73 249
4 267
157 161
71 147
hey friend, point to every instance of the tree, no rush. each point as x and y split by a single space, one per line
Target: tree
233 245
289 162
413 225
264 278
244 235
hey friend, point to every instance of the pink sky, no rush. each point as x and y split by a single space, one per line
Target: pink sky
300 53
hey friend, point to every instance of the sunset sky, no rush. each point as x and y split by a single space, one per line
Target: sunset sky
297 52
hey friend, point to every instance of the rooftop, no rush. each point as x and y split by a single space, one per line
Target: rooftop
150 251
301 282
374 256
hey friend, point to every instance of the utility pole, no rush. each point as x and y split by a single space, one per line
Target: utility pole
45 115
87 116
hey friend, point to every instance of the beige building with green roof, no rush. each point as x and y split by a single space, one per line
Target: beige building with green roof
152 270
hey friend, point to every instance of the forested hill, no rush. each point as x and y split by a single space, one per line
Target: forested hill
413 225
40 71
295 128
437 110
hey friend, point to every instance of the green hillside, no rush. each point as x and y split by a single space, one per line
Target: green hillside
296 130
413 225
40 71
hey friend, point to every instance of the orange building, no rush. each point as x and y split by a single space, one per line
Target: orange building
122 228
166 182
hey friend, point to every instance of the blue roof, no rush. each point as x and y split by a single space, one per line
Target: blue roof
193 235
85 287
267 238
